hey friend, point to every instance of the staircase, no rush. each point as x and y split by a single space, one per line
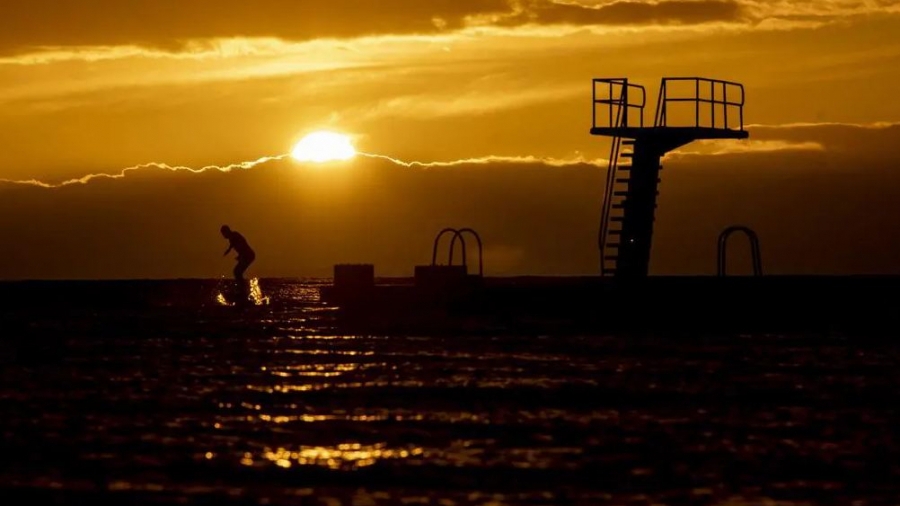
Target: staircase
618 177
620 105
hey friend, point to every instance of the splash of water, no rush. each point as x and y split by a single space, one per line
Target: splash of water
220 298
255 296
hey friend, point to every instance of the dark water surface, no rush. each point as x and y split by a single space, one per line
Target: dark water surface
156 395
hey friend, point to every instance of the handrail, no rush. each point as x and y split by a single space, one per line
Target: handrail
620 101
459 236
754 249
661 119
615 150
437 240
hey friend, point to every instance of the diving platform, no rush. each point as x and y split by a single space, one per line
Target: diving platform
688 109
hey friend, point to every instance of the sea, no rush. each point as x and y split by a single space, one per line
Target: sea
162 392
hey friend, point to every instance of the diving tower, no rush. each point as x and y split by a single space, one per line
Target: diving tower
687 109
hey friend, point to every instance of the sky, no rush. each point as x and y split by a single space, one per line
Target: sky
131 131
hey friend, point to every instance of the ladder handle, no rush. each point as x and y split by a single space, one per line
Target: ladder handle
465 261
615 151
437 240
754 249
480 248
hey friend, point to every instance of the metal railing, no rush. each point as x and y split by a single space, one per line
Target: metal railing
458 235
619 97
717 102
754 249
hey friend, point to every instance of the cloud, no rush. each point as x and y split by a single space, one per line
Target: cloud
718 147
874 141
815 137
815 211
469 101
627 12
763 9
143 167
870 140
876 125
32 24
493 159
48 30
159 166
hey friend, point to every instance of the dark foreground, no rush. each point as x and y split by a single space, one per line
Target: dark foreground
155 395
851 304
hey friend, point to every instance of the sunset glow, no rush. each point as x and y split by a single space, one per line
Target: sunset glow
322 147
348 131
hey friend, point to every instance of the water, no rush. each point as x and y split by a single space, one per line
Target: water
156 394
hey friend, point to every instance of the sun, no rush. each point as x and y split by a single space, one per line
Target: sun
324 147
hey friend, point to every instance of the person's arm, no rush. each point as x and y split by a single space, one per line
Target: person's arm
230 247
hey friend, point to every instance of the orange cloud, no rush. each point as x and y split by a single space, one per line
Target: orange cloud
810 137
493 159
31 24
151 165
717 147
49 30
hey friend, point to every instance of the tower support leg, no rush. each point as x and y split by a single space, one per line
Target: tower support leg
639 213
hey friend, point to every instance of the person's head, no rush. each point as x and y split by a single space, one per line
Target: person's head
226 231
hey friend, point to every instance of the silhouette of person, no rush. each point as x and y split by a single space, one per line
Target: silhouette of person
245 257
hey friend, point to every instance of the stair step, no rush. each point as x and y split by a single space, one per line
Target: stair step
626 155
622 205
628 142
614 232
617 219
626 166
624 193
624 180
611 259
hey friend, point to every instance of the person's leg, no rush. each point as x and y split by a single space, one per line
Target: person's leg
241 267
242 285
239 270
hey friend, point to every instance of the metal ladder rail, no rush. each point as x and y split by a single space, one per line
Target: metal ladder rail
609 189
756 257
459 235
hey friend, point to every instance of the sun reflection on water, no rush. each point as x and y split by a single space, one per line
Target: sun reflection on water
311 387
322 418
318 370
342 456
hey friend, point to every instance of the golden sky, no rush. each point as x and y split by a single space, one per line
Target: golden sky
497 92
